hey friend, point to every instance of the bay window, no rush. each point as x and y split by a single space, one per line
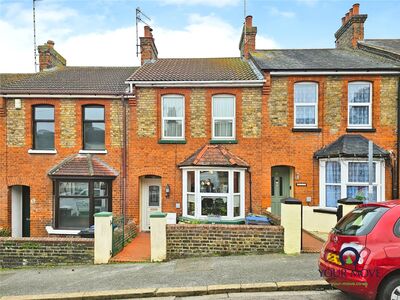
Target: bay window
213 192
173 117
78 200
306 104
341 178
223 117
360 105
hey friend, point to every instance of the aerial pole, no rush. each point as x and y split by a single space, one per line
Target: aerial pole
34 33
139 18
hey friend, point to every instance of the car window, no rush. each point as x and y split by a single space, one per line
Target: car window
360 221
396 228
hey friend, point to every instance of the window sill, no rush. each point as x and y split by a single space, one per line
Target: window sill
33 151
93 152
172 141
51 230
360 130
300 129
223 141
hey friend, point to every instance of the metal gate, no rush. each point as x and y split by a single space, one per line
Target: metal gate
118 237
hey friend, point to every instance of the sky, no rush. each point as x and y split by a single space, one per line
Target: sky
102 32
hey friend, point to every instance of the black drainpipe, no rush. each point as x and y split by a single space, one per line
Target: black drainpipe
397 164
251 187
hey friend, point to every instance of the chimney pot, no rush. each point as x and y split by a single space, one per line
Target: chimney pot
347 16
50 43
343 20
148 31
249 21
351 12
356 9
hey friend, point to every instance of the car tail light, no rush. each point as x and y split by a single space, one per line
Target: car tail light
364 253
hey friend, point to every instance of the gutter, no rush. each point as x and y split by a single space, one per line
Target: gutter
64 96
302 73
220 83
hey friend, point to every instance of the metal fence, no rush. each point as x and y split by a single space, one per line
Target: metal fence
118 237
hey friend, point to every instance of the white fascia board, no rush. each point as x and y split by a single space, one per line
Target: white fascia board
224 83
65 96
302 73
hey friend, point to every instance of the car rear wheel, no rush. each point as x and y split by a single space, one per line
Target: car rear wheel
390 289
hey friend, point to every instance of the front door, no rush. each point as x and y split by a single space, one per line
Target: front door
26 211
280 188
151 200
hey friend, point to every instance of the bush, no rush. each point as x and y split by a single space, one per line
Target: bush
5 232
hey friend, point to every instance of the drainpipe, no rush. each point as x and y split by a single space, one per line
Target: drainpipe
251 187
123 158
397 164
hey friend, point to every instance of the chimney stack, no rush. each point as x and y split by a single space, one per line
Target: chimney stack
248 39
148 47
49 58
352 29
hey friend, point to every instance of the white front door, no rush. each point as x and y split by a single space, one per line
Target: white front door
151 200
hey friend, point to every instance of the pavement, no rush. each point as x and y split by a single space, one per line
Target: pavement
234 273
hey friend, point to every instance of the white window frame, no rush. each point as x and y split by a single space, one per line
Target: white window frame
369 105
163 118
230 195
233 137
315 125
344 182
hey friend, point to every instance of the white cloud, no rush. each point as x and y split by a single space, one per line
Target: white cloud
204 36
217 3
280 13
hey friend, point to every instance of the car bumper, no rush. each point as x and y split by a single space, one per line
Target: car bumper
346 281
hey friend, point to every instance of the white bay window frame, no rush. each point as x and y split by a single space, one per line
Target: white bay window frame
198 195
166 118
218 118
307 104
344 180
359 104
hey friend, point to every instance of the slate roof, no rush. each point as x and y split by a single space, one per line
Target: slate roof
391 45
350 145
195 69
320 59
85 165
73 81
214 156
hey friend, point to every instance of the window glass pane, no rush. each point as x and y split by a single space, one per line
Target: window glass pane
359 115
213 182
100 205
100 189
358 172
359 93
361 193
172 128
215 206
223 107
154 195
190 181
191 205
236 182
305 115
73 189
236 205
223 128
332 172
332 195
74 213
305 93
44 113
44 136
173 107
94 135
94 113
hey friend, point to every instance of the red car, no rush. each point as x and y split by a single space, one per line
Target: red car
362 254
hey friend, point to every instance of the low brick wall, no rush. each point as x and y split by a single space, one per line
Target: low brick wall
20 252
184 240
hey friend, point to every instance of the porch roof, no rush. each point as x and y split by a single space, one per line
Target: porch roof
350 145
83 165
214 156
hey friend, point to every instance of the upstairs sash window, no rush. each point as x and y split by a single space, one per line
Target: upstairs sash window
93 127
360 105
173 117
306 104
43 127
223 114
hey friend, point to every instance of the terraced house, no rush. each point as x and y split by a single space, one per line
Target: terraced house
204 138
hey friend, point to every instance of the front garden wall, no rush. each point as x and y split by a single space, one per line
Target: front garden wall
185 240
20 252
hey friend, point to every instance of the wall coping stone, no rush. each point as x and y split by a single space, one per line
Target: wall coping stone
47 240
